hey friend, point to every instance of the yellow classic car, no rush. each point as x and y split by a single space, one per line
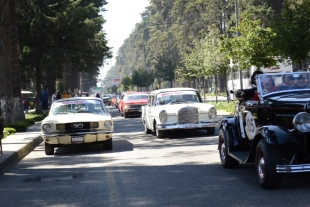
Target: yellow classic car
77 120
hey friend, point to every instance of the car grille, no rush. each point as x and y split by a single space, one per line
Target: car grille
135 106
74 127
188 115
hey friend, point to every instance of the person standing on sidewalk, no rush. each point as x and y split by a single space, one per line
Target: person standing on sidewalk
54 97
44 101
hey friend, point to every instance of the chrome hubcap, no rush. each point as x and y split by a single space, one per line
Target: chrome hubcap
261 168
223 152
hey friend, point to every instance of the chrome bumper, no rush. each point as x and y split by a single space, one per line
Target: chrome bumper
186 126
76 133
293 168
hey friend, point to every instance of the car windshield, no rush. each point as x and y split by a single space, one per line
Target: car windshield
282 82
77 106
172 97
137 96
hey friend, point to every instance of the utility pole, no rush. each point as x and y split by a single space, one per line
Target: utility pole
237 35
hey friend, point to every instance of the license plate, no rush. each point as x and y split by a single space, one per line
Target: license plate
77 139
189 126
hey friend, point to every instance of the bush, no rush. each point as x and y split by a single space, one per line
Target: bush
20 126
8 131
34 117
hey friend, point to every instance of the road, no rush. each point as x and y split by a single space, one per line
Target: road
141 170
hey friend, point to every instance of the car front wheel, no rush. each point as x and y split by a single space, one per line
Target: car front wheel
159 133
108 145
267 159
49 149
226 160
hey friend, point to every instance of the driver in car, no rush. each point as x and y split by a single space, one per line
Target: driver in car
301 82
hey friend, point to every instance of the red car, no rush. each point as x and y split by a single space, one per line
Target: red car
130 103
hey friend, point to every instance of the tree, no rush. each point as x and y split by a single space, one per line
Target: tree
126 83
10 87
55 33
292 30
142 78
164 68
206 59
253 46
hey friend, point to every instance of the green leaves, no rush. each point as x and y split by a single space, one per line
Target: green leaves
292 30
253 46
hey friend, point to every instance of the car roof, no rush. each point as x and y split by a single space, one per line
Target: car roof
172 89
78 98
135 92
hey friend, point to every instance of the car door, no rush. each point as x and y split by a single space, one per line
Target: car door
148 110
248 119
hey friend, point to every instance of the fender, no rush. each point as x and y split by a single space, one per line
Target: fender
230 126
275 135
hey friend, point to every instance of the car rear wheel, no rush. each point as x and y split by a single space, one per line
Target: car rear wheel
226 160
49 149
108 145
267 159
210 130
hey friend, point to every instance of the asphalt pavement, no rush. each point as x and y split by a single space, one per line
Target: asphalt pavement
15 147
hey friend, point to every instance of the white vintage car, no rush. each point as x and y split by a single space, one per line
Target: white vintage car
76 121
175 109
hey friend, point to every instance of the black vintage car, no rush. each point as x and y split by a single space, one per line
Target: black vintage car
270 129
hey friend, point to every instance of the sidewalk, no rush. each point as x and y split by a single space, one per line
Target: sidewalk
18 145
15 147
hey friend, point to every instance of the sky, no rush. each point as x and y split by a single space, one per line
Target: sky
121 17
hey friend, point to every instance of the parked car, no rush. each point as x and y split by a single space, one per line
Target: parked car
177 109
77 120
272 132
130 103
107 99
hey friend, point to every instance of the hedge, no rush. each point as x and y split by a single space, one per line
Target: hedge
21 126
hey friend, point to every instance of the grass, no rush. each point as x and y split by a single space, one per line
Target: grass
223 105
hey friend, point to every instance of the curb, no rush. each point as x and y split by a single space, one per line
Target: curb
11 158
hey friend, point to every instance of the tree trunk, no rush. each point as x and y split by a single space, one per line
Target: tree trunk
215 87
15 72
38 77
6 89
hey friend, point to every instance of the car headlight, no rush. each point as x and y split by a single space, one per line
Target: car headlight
212 113
46 127
163 116
107 124
301 122
126 106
